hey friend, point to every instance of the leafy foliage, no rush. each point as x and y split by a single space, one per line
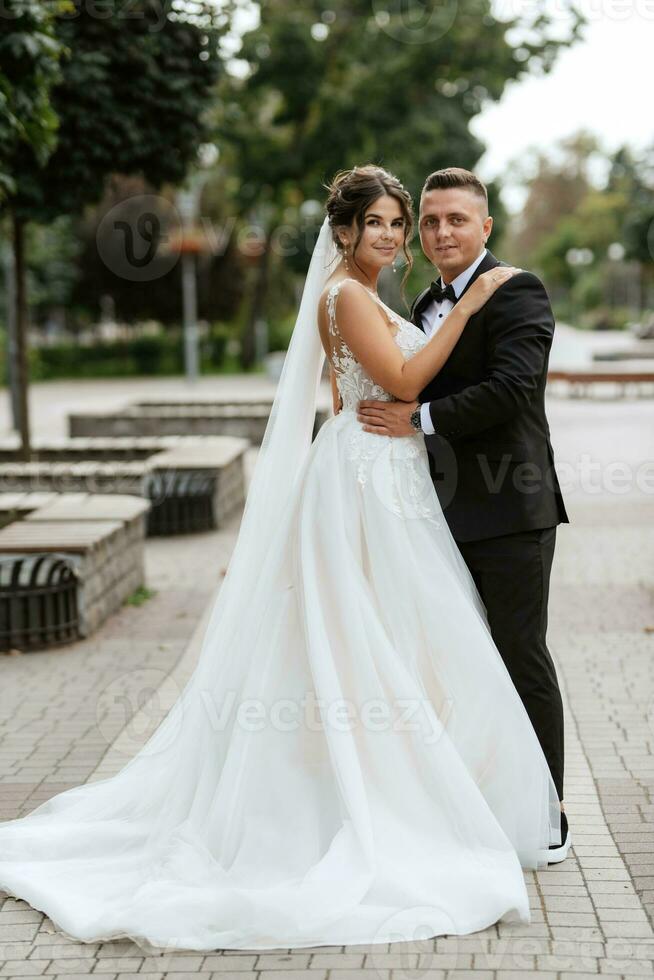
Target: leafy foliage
566 210
30 56
609 226
330 84
130 100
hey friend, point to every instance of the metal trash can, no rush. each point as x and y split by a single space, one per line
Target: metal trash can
38 601
182 502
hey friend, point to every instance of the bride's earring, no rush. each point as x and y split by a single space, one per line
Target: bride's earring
394 265
345 263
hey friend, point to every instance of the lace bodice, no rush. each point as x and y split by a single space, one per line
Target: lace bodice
353 381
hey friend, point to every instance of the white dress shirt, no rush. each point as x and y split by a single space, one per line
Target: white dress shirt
433 317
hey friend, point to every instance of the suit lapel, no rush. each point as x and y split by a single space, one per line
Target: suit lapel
488 262
420 304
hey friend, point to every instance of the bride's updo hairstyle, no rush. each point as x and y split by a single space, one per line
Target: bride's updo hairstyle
352 192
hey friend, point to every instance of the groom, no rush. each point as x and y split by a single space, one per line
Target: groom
483 417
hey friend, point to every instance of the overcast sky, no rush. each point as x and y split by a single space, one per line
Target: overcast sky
603 83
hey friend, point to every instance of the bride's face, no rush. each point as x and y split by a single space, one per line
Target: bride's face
382 234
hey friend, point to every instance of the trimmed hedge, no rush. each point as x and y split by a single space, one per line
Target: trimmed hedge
142 356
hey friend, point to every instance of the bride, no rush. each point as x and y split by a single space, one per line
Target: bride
349 761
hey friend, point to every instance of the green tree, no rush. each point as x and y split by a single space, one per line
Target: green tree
568 215
30 56
331 83
633 178
131 99
218 270
556 185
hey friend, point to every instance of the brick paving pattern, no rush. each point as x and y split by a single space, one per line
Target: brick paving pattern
592 915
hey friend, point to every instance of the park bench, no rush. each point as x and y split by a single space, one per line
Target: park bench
584 383
194 490
65 448
38 601
67 565
183 401
240 419
246 422
193 485
14 506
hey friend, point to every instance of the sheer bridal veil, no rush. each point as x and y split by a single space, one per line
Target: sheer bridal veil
250 602
162 781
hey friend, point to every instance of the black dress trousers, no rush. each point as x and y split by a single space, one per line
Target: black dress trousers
512 574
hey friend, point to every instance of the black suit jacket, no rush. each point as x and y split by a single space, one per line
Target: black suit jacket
491 458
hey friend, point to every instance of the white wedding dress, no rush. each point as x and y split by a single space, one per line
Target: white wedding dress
403 808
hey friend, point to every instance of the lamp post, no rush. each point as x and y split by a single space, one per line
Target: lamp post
576 258
187 204
192 244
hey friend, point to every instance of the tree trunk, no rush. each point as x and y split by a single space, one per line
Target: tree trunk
10 371
249 338
21 324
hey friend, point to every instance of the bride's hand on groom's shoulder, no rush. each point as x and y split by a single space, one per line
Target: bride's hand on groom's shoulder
485 286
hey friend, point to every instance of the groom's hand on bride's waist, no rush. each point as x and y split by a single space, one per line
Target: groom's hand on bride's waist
387 418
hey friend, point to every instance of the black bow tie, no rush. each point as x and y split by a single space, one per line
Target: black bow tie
439 293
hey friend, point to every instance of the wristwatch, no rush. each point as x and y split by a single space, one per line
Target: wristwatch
416 420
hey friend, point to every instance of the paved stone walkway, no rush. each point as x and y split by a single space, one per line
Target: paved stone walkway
591 915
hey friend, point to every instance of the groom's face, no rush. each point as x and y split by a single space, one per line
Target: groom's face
454 226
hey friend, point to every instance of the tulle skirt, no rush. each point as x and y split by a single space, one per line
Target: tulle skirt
348 763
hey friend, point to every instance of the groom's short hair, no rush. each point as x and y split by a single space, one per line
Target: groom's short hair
456 177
